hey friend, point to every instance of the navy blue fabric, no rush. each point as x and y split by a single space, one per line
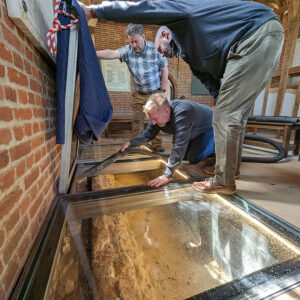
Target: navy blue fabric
61 74
204 30
200 147
95 109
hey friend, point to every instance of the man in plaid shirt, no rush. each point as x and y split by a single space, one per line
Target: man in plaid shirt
149 70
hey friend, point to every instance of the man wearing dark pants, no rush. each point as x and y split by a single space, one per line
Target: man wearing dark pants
189 122
237 41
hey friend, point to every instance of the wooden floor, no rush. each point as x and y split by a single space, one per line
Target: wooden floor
275 187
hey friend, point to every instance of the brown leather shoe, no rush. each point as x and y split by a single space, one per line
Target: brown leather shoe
211 186
211 171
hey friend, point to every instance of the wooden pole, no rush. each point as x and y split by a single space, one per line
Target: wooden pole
297 102
293 28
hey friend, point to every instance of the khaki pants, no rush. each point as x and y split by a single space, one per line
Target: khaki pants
251 63
138 116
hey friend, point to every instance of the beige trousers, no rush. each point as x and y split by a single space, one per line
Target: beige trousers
138 116
251 63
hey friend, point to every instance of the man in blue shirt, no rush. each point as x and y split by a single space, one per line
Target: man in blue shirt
189 122
239 42
149 70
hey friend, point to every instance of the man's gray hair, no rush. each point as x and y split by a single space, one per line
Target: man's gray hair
133 29
158 100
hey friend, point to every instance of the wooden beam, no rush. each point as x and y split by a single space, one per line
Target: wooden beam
293 29
297 102
292 71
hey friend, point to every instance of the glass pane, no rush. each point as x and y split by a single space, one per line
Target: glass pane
169 244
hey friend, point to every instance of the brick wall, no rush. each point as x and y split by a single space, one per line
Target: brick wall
29 157
110 35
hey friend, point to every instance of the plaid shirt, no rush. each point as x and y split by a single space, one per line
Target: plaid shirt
144 67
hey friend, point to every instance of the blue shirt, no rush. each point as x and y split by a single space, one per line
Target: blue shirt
144 67
188 120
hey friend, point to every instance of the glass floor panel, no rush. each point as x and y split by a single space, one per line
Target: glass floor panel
171 243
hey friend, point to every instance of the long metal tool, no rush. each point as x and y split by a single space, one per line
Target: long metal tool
95 170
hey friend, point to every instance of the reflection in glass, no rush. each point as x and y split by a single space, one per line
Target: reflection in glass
169 244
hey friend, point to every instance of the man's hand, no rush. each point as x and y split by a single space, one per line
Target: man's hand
161 180
125 146
89 11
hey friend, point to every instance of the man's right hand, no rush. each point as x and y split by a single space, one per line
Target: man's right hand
89 11
125 146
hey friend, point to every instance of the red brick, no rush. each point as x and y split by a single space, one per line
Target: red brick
2 71
37 99
18 61
4 159
17 77
6 114
1 93
35 127
38 141
22 95
11 38
7 20
42 126
29 54
10 93
21 34
38 156
11 272
30 179
12 244
23 248
2 237
7 180
17 113
30 98
27 67
35 72
38 112
35 86
36 205
12 220
25 113
27 129
29 161
24 205
5 53
20 150
18 132
5 135
8 202
20 169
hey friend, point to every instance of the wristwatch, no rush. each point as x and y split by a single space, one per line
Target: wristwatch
163 90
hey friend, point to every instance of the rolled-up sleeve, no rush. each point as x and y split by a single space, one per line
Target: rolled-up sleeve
162 61
124 53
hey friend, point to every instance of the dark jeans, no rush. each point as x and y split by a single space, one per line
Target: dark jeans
200 147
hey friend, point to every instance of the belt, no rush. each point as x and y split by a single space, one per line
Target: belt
142 93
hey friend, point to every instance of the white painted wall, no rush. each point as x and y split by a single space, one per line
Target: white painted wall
258 105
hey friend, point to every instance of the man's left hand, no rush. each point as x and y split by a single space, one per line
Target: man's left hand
161 180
